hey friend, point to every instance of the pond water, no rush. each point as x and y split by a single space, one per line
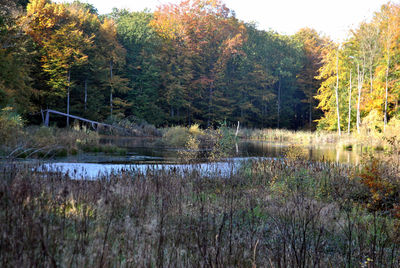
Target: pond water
146 153
147 150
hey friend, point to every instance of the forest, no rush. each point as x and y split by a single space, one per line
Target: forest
194 62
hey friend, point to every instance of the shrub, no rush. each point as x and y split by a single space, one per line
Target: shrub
224 143
190 153
195 130
382 182
11 127
372 123
42 136
391 135
176 137
294 152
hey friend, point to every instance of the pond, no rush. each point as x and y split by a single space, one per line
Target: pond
146 153
147 150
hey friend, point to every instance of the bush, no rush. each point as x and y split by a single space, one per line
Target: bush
190 153
42 136
391 134
11 127
297 153
225 142
176 136
195 130
381 179
372 123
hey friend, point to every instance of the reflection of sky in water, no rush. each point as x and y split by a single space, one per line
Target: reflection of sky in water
92 170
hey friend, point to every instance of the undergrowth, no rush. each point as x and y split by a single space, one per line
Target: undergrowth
267 213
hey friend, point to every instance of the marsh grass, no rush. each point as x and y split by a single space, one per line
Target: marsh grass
48 142
268 213
370 139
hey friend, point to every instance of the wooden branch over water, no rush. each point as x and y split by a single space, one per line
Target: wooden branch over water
94 124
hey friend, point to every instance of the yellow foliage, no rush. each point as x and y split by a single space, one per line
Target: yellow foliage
294 152
372 123
195 130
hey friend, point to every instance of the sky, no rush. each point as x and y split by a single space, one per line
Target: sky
333 18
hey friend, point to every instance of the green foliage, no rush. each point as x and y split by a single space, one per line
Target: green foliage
176 136
194 63
296 153
15 60
142 63
369 58
11 127
191 150
224 143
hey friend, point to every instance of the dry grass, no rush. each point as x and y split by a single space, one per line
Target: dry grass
269 213
367 138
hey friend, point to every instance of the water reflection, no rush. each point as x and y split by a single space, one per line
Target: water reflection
149 149
94 170
144 154
312 153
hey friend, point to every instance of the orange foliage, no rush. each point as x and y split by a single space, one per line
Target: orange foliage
382 191
204 29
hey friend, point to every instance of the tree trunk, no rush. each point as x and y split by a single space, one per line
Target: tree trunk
310 118
386 91
210 93
371 78
41 112
47 120
279 103
188 116
85 94
111 86
359 87
349 122
337 93
68 87
264 108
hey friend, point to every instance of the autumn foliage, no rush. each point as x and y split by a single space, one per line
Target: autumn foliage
368 63
195 62
207 35
381 181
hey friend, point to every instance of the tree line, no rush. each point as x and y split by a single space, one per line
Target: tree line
192 62
360 77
